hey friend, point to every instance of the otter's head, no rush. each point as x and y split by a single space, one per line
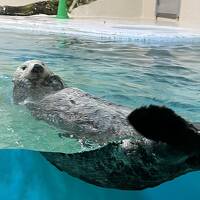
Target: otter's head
32 80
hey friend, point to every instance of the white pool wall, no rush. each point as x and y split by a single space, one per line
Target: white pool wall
140 10
121 31
129 10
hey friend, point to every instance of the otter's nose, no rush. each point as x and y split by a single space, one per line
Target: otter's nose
37 69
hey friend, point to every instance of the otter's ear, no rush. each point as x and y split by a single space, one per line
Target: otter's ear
55 82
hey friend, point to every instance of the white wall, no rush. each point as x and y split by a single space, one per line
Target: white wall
16 2
110 9
130 9
149 7
190 12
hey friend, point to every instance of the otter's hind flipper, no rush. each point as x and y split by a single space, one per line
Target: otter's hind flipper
160 123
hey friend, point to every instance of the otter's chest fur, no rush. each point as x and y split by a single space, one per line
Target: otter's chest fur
83 115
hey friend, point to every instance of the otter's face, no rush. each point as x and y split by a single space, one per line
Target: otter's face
33 80
33 70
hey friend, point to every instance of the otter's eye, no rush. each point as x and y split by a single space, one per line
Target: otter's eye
24 67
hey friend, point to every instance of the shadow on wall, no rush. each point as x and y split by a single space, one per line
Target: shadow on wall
26 175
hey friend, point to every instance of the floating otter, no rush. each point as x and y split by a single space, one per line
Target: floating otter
126 158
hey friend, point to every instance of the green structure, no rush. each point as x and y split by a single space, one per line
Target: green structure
62 10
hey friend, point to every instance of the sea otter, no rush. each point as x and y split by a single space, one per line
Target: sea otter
129 156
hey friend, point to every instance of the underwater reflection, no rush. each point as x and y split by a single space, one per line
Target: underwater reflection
26 175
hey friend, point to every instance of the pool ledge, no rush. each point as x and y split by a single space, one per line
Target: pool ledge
101 29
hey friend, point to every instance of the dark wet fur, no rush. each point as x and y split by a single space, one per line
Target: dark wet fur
162 124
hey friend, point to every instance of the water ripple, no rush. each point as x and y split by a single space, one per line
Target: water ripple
123 73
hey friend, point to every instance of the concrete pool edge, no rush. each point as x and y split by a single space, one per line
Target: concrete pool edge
109 30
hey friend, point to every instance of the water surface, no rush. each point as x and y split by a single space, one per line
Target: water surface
123 73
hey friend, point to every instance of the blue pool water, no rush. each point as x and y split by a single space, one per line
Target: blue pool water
124 73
